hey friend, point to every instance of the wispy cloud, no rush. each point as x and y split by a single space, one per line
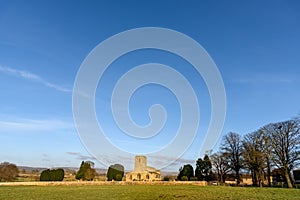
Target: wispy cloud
45 158
153 161
32 125
174 161
138 144
32 77
266 79
79 156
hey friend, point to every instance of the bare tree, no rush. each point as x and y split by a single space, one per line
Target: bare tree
254 158
8 171
267 154
284 138
232 147
220 165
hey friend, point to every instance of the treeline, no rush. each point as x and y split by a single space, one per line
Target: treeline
273 148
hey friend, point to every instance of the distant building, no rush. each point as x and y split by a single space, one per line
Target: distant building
142 172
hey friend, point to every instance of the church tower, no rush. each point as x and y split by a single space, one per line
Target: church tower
140 164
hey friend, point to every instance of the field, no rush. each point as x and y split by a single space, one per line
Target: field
144 192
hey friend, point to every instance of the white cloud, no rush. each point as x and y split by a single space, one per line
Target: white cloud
32 77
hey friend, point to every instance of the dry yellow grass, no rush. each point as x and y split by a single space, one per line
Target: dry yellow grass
70 183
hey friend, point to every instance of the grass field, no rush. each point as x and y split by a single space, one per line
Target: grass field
145 192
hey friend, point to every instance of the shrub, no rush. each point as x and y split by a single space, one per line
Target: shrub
52 175
186 170
45 175
115 170
119 177
86 172
184 178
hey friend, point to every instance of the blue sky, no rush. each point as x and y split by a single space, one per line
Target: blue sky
255 45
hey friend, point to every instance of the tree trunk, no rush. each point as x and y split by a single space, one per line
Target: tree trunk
269 173
238 180
254 178
288 179
221 178
261 178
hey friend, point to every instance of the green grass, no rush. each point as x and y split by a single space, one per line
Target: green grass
145 192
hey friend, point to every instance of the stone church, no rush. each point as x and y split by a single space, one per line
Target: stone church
142 172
